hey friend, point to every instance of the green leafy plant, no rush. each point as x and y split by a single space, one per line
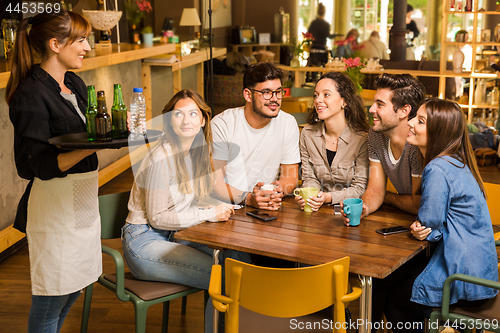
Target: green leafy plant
353 70
304 45
147 30
136 10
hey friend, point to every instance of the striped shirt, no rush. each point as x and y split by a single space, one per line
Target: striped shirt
401 171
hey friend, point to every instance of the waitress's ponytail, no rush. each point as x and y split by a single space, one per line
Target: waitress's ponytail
22 60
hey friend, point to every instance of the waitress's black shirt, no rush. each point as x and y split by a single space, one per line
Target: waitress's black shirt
38 113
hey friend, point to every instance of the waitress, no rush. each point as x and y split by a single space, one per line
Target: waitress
59 209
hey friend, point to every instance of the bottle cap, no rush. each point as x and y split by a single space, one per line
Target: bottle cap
137 89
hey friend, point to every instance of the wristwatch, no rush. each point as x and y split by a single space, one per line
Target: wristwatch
244 201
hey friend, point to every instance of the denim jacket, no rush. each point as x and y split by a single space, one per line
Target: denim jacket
453 206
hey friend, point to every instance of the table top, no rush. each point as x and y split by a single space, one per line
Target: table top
315 238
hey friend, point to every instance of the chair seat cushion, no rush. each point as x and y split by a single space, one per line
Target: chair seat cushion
488 311
148 290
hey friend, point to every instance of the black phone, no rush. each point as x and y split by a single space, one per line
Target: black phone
392 230
261 215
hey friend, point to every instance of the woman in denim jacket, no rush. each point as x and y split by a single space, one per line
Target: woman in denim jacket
453 211
333 146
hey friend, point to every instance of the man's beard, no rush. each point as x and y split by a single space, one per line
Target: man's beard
262 114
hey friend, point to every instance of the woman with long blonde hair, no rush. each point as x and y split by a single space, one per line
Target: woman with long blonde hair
165 197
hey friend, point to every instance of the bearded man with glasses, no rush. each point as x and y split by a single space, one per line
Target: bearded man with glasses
257 144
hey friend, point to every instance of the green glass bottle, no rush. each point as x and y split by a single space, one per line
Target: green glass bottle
119 115
91 113
103 120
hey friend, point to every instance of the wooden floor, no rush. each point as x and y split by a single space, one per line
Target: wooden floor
108 314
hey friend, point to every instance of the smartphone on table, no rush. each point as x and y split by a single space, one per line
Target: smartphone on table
392 230
261 215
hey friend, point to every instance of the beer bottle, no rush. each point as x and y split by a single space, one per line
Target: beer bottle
103 124
91 113
119 115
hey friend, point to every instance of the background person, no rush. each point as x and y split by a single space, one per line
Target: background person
175 176
411 25
59 208
255 143
333 146
320 29
347 47
453 214
373 48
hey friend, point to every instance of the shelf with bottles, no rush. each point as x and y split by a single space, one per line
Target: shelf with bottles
487 117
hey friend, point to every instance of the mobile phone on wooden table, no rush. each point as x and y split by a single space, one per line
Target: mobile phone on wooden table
392 230
261 215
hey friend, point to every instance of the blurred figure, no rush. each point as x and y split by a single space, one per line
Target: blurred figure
347 47
411 26
373 47
320 29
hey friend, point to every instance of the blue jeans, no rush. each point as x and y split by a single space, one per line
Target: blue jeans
154 255
47 313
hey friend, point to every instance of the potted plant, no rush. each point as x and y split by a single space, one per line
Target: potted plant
287 87
147 35
136 10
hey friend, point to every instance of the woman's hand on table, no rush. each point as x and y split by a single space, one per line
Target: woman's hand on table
365 212
419 231
224 211
316 202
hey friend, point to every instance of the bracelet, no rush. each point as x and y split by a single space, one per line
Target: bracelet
244 201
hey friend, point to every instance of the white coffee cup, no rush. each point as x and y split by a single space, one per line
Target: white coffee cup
268 187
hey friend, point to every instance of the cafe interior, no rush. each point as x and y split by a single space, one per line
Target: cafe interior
164 46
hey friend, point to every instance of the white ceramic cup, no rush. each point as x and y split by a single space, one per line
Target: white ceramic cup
268 187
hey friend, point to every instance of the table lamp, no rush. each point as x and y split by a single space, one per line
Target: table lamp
190 18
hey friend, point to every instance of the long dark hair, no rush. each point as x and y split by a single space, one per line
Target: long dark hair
200 149
32 41
447 135
355 113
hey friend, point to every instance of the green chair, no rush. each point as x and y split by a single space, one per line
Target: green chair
143 294
486 316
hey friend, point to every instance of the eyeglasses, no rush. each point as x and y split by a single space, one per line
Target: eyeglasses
268 94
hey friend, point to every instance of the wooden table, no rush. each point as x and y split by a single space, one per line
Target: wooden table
317 238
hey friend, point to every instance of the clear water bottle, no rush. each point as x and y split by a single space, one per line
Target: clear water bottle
138 114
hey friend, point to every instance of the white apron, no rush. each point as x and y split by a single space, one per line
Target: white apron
64 234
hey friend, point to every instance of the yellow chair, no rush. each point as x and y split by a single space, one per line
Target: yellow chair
283 293
294 106
493 201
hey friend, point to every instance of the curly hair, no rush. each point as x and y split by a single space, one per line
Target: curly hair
355 113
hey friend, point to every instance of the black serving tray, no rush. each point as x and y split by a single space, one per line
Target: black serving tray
81 141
